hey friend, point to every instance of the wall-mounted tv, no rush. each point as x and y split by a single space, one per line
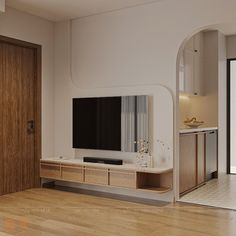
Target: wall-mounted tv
110 123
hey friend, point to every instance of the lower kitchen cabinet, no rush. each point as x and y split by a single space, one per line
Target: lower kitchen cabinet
201 158
211 154
187 164
198 159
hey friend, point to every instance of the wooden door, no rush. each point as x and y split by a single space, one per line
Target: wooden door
188 162
19 159
1 123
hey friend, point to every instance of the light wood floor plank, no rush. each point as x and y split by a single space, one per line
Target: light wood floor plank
51 212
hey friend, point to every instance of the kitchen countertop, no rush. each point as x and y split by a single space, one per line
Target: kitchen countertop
196 130
125 166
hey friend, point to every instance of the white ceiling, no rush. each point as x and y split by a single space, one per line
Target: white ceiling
59 10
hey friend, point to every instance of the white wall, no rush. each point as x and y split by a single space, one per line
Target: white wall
231 54
66 90
222 101
26 27
2 6
118 50
231 46
139 45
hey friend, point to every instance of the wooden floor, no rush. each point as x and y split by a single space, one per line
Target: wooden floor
52 212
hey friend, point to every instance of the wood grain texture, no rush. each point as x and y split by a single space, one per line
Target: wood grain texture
11 118
166 180
20 92
50 171
159 183
51 212
1 120
96 176
201 159
188 162
27 113
119 178
126 179
72 173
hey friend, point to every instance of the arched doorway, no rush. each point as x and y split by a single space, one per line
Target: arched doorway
202 58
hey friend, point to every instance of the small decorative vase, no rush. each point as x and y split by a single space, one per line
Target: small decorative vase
150 161
142 158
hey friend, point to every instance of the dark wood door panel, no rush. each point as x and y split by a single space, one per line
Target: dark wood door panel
188 162
27 110
11 118
19 107
201 159
1 123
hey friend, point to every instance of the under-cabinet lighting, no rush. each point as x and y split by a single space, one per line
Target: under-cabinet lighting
183 97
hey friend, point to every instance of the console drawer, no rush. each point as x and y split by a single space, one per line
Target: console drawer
72 173
96 176
126 179
50 170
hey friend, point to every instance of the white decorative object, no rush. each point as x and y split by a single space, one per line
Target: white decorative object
143 158
164 153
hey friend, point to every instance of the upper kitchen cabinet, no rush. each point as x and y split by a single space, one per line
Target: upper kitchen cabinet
191 67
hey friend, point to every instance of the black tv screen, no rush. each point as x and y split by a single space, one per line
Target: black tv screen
97 123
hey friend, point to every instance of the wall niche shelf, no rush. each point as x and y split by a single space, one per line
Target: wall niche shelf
126 176
161 183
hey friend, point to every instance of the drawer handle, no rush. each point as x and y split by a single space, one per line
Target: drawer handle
50 165
94 169
72 167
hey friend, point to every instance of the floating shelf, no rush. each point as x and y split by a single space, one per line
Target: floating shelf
160 183
121 177
155 189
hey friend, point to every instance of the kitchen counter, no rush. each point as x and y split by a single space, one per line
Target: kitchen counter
196 130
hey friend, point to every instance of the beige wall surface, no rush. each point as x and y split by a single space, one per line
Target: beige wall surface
2 6
231 46
222 101
116 51
33 29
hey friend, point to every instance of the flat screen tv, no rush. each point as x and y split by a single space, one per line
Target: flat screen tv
97 123
110 123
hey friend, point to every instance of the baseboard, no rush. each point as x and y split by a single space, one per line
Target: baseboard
109 195
49 184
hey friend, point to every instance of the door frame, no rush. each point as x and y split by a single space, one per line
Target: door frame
38 103
228 114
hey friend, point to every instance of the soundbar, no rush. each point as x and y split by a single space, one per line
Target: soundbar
103 160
